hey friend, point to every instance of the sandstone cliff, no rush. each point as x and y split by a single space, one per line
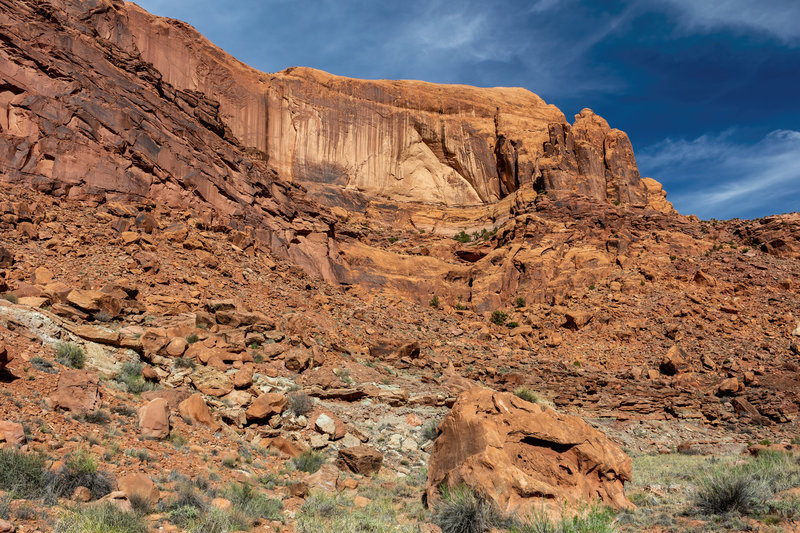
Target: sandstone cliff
83 118
404 140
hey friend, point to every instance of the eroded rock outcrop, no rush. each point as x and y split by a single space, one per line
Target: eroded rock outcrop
524 456
83 115
404 140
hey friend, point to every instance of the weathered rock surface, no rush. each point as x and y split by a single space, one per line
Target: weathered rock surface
364 460
154 419
139 486
524 456
195 409
84 115
411 140
77 391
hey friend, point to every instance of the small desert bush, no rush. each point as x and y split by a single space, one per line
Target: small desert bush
193 338
299 403
336 512
747 488
80 470
308 461
499 317
99 417
43 365
21 474
519 302
463 511
105 518
532 396
462 237
130 376
70 354
124 410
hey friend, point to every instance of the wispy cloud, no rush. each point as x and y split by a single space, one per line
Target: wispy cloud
778 18
716 175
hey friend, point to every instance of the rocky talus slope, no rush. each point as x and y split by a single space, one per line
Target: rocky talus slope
260 266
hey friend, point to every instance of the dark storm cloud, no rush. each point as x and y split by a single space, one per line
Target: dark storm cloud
707 91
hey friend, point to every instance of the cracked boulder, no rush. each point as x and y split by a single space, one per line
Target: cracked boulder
525 457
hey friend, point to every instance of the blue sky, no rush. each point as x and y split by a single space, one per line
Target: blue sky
709 91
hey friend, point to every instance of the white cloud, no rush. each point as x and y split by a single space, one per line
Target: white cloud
717 176
779 18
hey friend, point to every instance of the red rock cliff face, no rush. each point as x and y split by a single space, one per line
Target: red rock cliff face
404 140
81 117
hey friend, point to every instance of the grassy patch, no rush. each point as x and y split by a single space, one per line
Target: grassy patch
253 504
105 518
720 490
593 520
21 474
336 512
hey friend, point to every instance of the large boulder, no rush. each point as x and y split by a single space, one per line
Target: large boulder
77 390
364 460
525 457
12 432
195 409
154 419
265 406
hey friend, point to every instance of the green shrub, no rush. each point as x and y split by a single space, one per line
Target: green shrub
512 325
299 403
434 302
105 518
519 302
308 461
193 338
463 511
70 354
80 470
532 396
462 237
461 307
21 474
748 488
499 317
9 297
